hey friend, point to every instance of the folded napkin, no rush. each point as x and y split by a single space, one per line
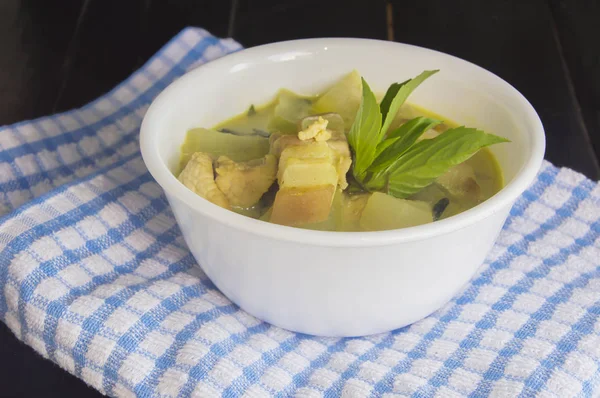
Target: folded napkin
95 276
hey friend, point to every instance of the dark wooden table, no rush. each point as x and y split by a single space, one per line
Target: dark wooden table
57 55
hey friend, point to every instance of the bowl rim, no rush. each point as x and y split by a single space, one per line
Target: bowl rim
174 188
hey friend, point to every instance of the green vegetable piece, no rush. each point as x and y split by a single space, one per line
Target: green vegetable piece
428 159
400 165
384 212
365 133
401 95
261 132
453 209
398 142
237 147
343 98
432 194
390 94
419 123
289 110
351 209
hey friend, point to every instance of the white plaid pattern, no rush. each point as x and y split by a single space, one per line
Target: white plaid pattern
95 276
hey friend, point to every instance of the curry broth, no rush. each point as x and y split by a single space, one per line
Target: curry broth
346 209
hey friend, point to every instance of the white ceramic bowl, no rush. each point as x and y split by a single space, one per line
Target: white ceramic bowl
335 283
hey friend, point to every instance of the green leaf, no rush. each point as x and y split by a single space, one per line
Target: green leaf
401 95
390 94
428 159
399 165
402 138
365 133
398 142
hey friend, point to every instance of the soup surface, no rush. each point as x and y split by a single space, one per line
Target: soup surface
295 161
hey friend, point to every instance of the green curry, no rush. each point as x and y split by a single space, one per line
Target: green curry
342 161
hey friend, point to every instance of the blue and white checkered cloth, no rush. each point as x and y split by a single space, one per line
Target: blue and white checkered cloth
95 276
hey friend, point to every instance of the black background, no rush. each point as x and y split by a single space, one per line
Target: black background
59 54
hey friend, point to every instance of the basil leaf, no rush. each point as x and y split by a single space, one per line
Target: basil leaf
400 140
390 94
428 159
401 95
365 133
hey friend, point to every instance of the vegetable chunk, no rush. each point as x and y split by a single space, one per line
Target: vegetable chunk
351 209
384 212
461 183
236 147
344 160
289 110
343 97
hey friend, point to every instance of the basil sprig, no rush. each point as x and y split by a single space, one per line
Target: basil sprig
396 162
